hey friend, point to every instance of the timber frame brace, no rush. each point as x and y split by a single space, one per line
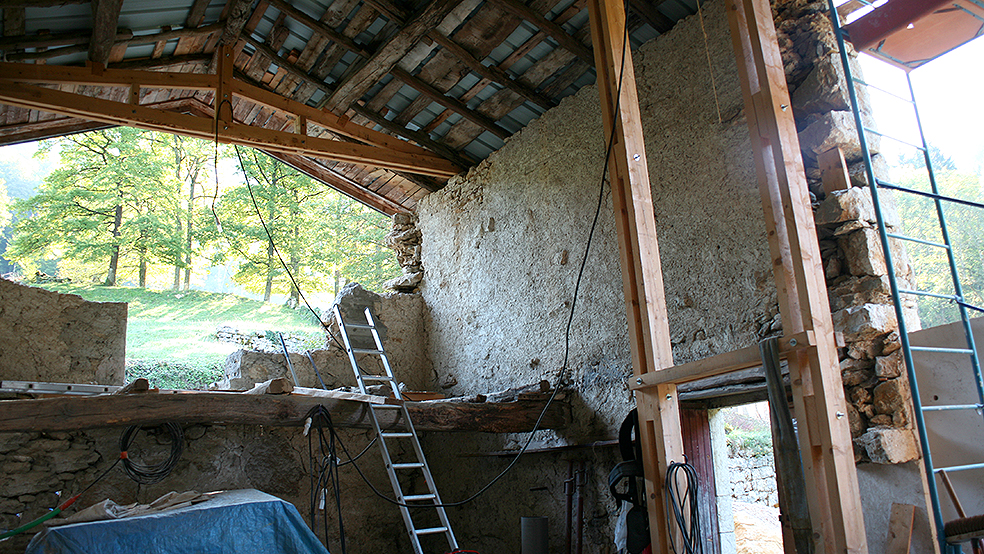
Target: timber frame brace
348 142
826 451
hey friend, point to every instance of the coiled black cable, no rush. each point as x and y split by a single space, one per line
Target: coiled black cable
677 503
154 473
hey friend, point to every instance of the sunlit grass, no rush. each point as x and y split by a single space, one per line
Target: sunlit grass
170 335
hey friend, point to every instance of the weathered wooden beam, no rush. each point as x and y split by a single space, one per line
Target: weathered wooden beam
642 277
393 12
55 101
75 412
13 21
51 128
451 103
4 4
60 75
419 137
357 82
555 31
320 28
648 12
52 40
339 182
239 12
818 391
490 72
79 41
195 17
162 62
105 17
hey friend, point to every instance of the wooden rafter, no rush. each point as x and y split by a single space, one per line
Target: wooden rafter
286 65
13 21
105 16
552 29
319 27
651 15
4 4
357 82
458 106
490 72
642 278
395 154
419 137
79 42
239 13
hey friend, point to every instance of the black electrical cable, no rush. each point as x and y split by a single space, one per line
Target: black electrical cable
324 469
680 507
276 250
153 473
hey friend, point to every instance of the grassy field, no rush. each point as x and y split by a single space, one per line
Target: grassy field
170 335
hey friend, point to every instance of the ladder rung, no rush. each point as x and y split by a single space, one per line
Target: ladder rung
410 465
398 435
890 186
358 326
957 468
375 378
920 241
366 351
942 350
418 497
386 406
924 293
953 407
430 531
890 137
879 89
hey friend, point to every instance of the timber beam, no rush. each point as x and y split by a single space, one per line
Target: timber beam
642 278
818 392
68 413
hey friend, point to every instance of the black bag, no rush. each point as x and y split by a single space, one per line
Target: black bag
630 470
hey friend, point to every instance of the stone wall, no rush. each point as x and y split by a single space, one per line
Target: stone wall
61 338
753 479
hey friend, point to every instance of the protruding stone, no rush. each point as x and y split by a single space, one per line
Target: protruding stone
864 322
889 446
889 397
863 253
405 283
824 88
831 130
853 204
891 366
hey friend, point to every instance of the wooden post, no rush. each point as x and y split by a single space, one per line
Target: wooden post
818 393
642 278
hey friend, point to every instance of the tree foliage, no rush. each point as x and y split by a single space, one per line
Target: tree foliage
920 219
126 203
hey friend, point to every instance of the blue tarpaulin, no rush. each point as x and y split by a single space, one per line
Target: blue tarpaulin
246 521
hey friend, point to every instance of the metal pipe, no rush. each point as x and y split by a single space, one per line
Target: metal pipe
581 478
569 493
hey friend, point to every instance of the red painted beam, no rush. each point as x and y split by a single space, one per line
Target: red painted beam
882 22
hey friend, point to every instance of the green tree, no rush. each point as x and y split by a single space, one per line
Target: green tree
919 219
190 159
107 200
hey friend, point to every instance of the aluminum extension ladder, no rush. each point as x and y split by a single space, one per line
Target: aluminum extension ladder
430 500
946 246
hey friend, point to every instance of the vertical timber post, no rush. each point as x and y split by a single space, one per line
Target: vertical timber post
642 278
818 394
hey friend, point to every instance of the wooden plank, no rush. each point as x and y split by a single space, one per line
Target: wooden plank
195 17
289 67
123 39
356 83
73 105
728 362
458 106
49 128
642 279
833 170
900 529
696 430
651 15
50 40
74 412
818 393
259 63
176 63
555 31
105 16
4 4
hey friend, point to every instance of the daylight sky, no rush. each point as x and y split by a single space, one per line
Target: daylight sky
949 93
